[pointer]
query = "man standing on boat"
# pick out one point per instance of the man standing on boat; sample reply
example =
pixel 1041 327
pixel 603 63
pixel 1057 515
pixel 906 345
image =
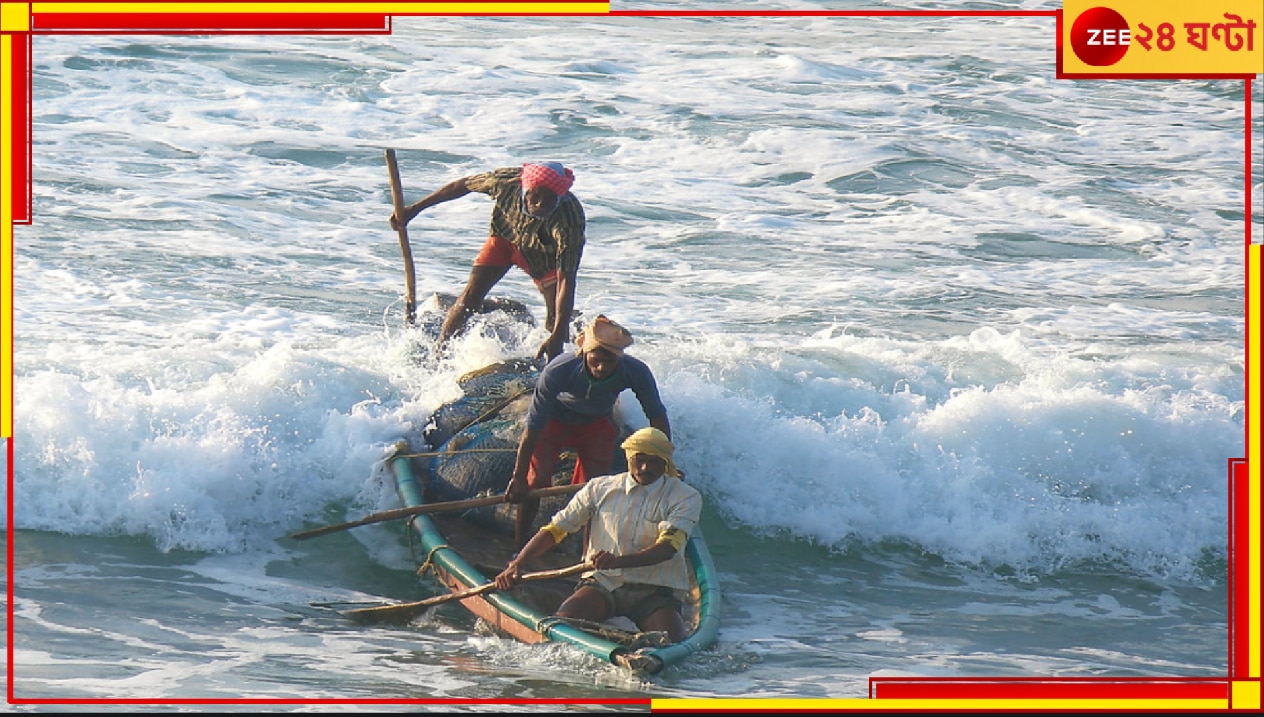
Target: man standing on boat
pixel 536 225
pixel 638 523
pixel 573 408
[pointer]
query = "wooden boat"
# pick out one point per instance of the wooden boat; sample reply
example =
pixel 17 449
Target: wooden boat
pixel 471 453
pixel 476 438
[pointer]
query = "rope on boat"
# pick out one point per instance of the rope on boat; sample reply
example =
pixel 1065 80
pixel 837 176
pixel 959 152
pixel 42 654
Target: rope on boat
pixel 429 564
pixel 631 640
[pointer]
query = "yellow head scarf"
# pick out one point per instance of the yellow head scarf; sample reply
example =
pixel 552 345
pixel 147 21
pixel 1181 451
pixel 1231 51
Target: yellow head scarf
pixel 652 442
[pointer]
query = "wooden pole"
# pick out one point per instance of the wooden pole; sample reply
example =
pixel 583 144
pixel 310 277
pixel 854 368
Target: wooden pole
pixel 410 276
pixel 404 611
pixel 433 508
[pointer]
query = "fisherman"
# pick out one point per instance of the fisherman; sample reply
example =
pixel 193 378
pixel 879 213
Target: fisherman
pixel 573 408
pixel 638 523
pixel 536 225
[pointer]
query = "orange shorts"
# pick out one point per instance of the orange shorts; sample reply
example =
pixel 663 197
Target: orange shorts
pixel 502 252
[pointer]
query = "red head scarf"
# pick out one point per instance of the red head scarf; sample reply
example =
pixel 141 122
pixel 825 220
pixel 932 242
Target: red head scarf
pixel 550 175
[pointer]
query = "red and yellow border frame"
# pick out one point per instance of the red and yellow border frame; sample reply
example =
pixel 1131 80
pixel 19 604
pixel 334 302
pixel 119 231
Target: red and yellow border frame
pixel 1239 690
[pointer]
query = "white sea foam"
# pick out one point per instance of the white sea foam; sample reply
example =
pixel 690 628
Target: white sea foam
pixel 890 294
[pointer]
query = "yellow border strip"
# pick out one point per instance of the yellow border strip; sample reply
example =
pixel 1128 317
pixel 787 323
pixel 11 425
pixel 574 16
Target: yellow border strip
pixel 371 8
pixel 1254 461
pixel 1246 696
pixel 6 236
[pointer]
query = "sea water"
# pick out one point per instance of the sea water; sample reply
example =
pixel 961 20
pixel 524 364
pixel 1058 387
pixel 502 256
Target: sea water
pixel 953 349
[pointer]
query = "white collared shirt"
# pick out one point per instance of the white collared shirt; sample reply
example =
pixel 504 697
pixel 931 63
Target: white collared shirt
pixel 626 518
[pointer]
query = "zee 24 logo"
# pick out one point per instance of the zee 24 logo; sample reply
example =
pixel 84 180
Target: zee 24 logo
pixel 1101 36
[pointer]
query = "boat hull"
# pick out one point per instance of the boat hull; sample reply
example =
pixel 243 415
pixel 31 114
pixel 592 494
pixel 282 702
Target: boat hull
pixel 530 621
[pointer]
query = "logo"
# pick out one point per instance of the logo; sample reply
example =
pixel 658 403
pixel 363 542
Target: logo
pixel 1100 37
pixel 1167 39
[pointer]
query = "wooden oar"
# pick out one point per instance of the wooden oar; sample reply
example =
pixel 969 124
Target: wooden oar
pixel 406 610
pixel 410 276
pixel 431 508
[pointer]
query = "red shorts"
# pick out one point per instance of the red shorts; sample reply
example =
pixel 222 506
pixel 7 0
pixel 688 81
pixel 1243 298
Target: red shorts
pixel 593 443
pixel 502 252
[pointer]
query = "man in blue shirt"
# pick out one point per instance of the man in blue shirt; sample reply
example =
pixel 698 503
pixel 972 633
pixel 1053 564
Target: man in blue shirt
pixel 573 409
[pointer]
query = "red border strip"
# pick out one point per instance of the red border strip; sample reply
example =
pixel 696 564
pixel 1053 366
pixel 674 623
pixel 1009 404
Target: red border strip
pixel 1239 585
pixel 205 22
pixel 20 184
pixel 1246 159
pixel 1048 689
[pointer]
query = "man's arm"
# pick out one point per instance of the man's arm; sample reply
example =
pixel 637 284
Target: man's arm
pixel 446 193
pixel 645 387
pixel 540 543
pixel 575 515
pixel 547 386
pixel 662 424
pixel 560 332
pixel 653 555
pixel 518 487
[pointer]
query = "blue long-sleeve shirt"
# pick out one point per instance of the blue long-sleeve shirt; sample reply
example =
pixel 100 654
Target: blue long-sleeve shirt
pixel 564 391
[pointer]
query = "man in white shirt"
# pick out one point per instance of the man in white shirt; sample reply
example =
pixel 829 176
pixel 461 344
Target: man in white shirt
pixel 638 523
